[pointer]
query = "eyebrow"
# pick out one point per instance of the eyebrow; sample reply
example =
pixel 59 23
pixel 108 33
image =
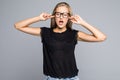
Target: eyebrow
pixel 63 12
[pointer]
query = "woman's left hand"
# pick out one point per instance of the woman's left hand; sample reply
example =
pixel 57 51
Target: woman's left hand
pixel 76 19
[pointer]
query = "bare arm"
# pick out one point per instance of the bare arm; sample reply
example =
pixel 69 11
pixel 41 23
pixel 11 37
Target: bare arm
pixel 96 35
pixel 24 25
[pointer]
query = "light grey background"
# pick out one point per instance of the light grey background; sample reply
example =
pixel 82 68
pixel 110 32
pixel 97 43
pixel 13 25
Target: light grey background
pixel 21 54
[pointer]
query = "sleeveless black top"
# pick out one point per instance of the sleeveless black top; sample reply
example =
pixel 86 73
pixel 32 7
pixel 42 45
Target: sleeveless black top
pixel 58 53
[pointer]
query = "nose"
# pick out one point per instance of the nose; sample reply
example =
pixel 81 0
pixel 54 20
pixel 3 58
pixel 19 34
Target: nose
pixel 61 16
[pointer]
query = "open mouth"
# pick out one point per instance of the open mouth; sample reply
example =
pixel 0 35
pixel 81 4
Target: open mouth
pixel 61 22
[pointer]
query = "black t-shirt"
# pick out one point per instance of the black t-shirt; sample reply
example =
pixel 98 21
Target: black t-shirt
pixel 58 53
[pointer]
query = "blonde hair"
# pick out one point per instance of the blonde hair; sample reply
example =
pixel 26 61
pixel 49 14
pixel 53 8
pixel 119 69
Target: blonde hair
pixel 69 23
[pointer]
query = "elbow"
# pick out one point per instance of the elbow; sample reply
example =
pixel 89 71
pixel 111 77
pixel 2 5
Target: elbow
pixel 16 26
pixel 103 38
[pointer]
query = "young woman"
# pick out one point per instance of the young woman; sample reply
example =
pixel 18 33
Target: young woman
pixel 60 39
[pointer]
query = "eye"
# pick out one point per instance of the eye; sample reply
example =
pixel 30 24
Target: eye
pixel 57 13
pixel 65 14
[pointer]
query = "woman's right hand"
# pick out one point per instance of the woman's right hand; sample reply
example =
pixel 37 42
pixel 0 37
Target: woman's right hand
pixel 45 16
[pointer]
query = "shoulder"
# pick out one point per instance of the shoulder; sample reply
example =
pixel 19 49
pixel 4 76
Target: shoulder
pixel 45 30
pixel 74 31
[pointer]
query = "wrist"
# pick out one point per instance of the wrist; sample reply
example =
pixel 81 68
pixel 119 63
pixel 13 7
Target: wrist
pixel 37 18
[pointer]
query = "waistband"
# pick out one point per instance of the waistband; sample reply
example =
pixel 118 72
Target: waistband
pixel 72 78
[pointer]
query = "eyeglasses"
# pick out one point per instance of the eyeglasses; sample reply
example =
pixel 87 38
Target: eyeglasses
pixel 64 15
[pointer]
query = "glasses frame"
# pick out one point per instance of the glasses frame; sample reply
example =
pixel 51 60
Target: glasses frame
pixel 64 14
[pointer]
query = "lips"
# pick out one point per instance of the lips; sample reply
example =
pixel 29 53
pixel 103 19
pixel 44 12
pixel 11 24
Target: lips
pixel 61 22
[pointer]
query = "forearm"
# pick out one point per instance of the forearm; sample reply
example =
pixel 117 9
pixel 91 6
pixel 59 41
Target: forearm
pixel 95 32
pixel 27 22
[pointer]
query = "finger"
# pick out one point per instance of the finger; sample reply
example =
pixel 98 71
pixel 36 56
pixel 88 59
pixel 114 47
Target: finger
pixel 51 16
pixel 78 17
pixel 71 17
pixel 73 21
pixel 46 14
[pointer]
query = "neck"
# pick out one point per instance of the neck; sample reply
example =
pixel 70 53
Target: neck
pixel 60 30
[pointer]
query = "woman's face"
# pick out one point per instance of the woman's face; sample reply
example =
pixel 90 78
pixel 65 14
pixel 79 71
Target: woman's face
pixel 61 16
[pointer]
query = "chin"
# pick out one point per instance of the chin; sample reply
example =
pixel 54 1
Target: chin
pixel 61 27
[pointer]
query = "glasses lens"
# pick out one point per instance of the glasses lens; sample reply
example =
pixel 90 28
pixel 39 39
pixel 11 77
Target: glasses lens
pixel 64 15
pixel 57 14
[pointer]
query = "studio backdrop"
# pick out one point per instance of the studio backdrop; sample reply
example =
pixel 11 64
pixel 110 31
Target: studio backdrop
pixel 21 56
